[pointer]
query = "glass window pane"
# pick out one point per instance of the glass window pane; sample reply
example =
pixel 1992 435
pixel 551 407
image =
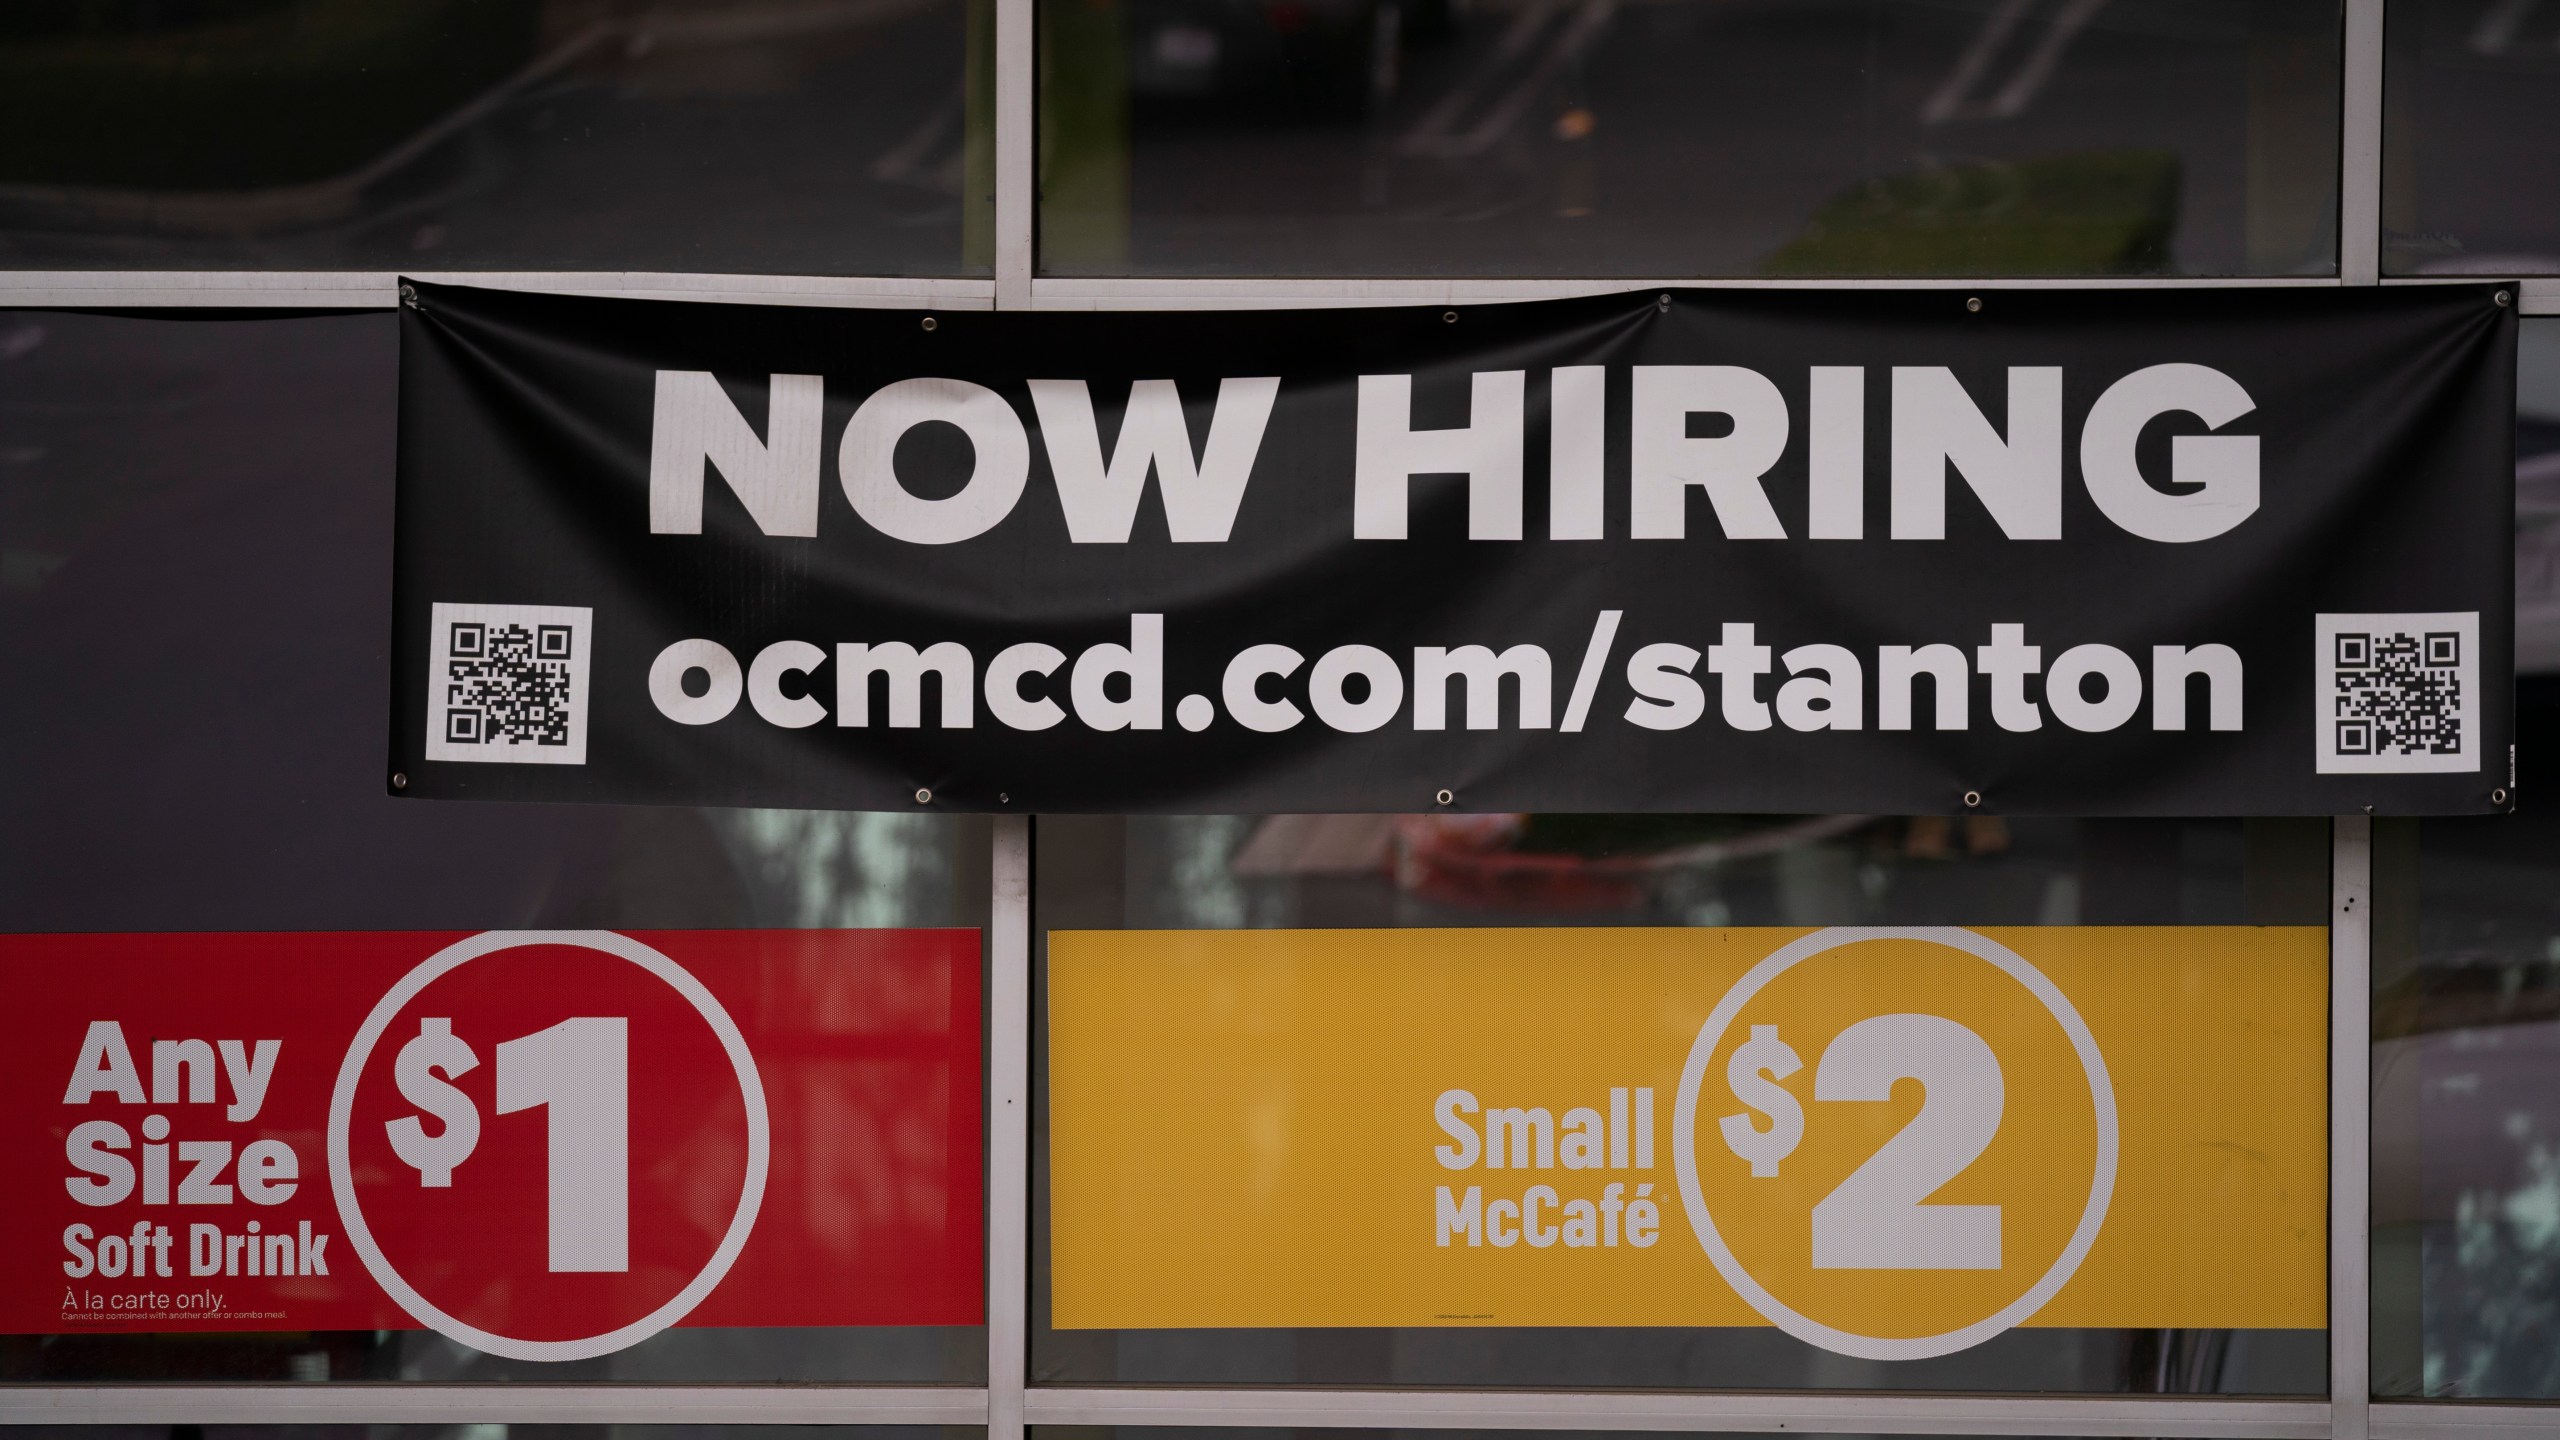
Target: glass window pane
pixel 739 136
pixel 195 542
pixel 2538 497
pixel 2471 88
pixel 2466 1020
pixel 1689 137
pixel 2466 1104
pixel 1386 872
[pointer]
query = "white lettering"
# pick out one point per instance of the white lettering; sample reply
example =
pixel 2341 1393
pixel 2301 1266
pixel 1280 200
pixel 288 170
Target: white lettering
pixel 1664 461
pixel 1836 503
pixel 1388 452
pixel 1200 500
pixel 2214 478
pixel 1951 682
pixel 764 684
pixel 2066 696
pixel 2018 479
pixel 1005 673
pixel 723 682
pixel 1328 688
pixel 2173 665
pixel 1141 662
pixel 904 667
pixel 1241 688
pixel 104 1064
pixel 1447 1109
pixel 1741 661
pixel 866 460
pixel 694 422
pixel 1577 449
pixel 2007 662
pixel 1666 697
pixel 1482 670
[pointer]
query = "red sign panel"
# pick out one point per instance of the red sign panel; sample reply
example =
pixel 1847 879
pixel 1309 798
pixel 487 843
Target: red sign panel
pixel 544 1144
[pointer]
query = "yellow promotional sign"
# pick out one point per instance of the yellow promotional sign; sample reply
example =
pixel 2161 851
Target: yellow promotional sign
pixel 1889 1142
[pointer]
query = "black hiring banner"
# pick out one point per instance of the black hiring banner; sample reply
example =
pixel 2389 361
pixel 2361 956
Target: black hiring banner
pixel 2169 552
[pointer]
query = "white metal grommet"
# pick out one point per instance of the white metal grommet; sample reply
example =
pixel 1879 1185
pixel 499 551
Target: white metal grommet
pixel 2498 797
pixel 924 797
pixel 1665 301
pixel 1972 799
pixel 1003 799
pixel 399 781
pixel 1973 303
pixel 409 295
pixel 1449 317
pixel 2504 298
pixel 930 322
pixel 1444 797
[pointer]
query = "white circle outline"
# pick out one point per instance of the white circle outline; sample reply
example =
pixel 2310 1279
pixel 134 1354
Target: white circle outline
pixel 750 1194
pixel 1684 1118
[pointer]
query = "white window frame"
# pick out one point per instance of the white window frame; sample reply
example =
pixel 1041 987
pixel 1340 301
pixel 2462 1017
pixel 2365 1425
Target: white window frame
pixel 1008 1402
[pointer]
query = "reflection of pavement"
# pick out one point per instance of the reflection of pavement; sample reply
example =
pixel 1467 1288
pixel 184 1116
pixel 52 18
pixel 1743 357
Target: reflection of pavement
pixel 778 136
pixel 1673 137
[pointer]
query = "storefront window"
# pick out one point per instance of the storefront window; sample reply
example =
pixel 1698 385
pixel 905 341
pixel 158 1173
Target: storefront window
pixel 1846 137
pixel 765 137
pixel 195 533
pixel 2470 87
pixel 1420 874
pixel 2466 1130
pixel 2466 1023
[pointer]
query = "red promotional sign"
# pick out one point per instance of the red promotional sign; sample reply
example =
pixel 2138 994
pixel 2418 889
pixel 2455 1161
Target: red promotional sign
pixel 543 1144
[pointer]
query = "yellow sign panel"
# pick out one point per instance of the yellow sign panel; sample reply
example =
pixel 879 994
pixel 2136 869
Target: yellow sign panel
pixel 1891 1143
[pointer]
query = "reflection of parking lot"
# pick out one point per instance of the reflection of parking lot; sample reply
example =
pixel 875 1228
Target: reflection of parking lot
pixel 1682 136
pixel 779 136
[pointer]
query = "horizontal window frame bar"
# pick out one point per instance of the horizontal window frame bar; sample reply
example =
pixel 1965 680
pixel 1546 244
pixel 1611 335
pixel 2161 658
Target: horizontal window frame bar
pixel 2471 1420
pixel 361 1403
pixel 1810 1412
pixel 1205 293
pixel 380 289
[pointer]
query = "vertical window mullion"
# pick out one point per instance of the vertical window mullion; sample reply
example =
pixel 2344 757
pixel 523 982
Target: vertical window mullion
pixel 2350 1138
pixel 2360 147
pixel 1015 153
pixel 1008 1125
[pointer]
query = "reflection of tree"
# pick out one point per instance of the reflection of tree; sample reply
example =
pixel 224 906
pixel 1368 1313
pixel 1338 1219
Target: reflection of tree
pixel 827 869
pixel 2493 1285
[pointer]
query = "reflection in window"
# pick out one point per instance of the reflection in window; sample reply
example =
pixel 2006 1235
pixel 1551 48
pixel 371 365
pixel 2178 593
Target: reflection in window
pixel 776 136
pixel 1285 871
pixel 2466 1123
pixel 2470 89
pixel 1689 137
pixel 202 509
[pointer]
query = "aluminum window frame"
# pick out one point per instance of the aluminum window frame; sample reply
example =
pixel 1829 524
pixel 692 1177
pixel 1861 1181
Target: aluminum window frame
pixel 1008 1401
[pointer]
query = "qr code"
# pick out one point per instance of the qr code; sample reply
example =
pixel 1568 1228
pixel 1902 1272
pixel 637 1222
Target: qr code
pixel 509 683
pixel 2399 694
